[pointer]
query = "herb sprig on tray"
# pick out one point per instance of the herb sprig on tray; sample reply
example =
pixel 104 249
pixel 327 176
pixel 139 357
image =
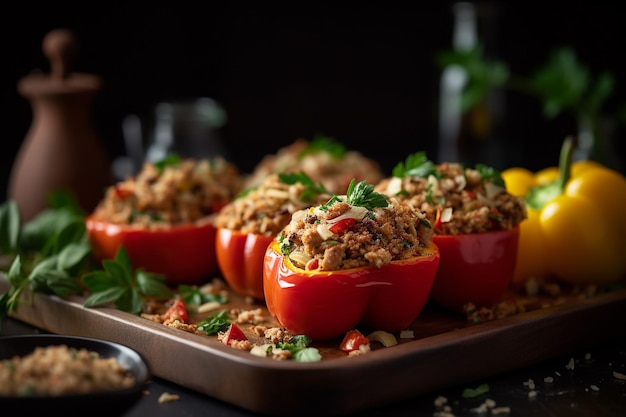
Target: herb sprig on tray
pixel 50 254
pixel 44 255
pixel 117 283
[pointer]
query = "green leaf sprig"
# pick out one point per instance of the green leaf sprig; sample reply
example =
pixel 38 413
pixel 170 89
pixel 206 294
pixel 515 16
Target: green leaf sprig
pixel 362 194
pixel 311 189
pixel 215 323
pixel 476 392
pixel 490 174
pixel 321 143
pixel 192 296
pixel 45 254
pixel 171 159
pixel 117 283
pixel 300 349
pixel 416 165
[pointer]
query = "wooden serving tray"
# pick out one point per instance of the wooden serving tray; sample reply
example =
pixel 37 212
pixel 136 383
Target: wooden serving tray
pixel 447 350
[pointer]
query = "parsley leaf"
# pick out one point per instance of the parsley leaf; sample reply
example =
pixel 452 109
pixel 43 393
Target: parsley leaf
pixel 321 143
pixel 300 350
pixel 169 160
pixel 193 296
pixel 362 194
pixel 416 165
pixel 476 392
pixel 117 284
pixel 215 323
pixel 311 189
pixel 490 174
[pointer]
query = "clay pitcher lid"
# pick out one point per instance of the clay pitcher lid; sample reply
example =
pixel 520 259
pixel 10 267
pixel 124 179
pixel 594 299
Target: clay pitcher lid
pixel 60 47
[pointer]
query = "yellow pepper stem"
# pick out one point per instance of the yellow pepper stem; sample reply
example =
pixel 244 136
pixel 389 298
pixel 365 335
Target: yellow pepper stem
pixel 538 196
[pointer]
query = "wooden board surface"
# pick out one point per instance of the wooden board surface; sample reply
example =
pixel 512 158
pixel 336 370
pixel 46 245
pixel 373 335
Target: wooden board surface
pixel 447 350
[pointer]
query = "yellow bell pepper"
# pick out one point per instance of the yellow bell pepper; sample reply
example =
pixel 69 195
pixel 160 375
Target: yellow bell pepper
pixel 576 224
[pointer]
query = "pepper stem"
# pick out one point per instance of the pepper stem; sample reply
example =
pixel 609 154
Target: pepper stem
pixel 538 196
pixel 565 163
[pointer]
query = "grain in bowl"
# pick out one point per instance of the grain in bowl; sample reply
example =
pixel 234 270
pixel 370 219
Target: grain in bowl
pixel 61 370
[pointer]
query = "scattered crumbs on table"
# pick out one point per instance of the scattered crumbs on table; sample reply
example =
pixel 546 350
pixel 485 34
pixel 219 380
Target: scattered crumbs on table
pixel 530 384
pixel 570 364
pixel 587 356
pixel 548 380
pixel 407 334
pixel 440 401
pixel 166 397
pixel 146 392
pixel 443 409
pixel 489 406
pixel 557 373
pixel 532 394
pixel 595 388
pixel 500 410
pixel 619 375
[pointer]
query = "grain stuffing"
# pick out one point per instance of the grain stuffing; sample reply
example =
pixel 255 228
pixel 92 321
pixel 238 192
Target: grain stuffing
pixel 323 159
pixel 455 199
pixel 344 234
pixel 172 193
pixel 267 208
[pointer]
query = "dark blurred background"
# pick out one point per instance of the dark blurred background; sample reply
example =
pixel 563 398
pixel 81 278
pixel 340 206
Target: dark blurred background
pixel 364 75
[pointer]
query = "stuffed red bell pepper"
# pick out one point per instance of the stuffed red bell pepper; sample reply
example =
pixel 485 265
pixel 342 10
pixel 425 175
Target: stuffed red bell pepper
pixel 247 225
pixel 357 260
pixel 476 225
pixel 163 217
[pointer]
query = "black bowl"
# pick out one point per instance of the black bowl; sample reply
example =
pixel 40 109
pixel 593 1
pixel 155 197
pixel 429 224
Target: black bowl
pixel 104 403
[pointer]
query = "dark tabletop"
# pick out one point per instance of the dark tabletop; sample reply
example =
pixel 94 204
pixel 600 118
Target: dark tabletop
pixel 578 384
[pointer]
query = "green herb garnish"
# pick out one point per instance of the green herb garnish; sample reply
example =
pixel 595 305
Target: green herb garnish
pixel 416 165
pixel 170 159
pixel 359 194
pixel 44 254
pixel 311 189
pixel 490 174
pixel 117 284
pixel 286 245
pixel 362 194
pixel 215 323
pixel 476 392
pixel 321 143
pixel 193 296
pixel 300 350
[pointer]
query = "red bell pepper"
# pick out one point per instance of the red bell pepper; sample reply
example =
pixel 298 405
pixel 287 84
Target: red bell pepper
pixel 240 259
pixel 325 305
pixel 184 254
pixel 476 268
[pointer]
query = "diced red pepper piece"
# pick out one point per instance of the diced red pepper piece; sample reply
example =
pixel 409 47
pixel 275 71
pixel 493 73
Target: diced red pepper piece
pixel 353 340
pixel 233 333
pixel 438 218
pixel 176 311
pixel 342 225
pixel 122 193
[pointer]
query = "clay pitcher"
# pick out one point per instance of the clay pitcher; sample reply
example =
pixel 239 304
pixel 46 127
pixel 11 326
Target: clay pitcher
pixel 61 151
